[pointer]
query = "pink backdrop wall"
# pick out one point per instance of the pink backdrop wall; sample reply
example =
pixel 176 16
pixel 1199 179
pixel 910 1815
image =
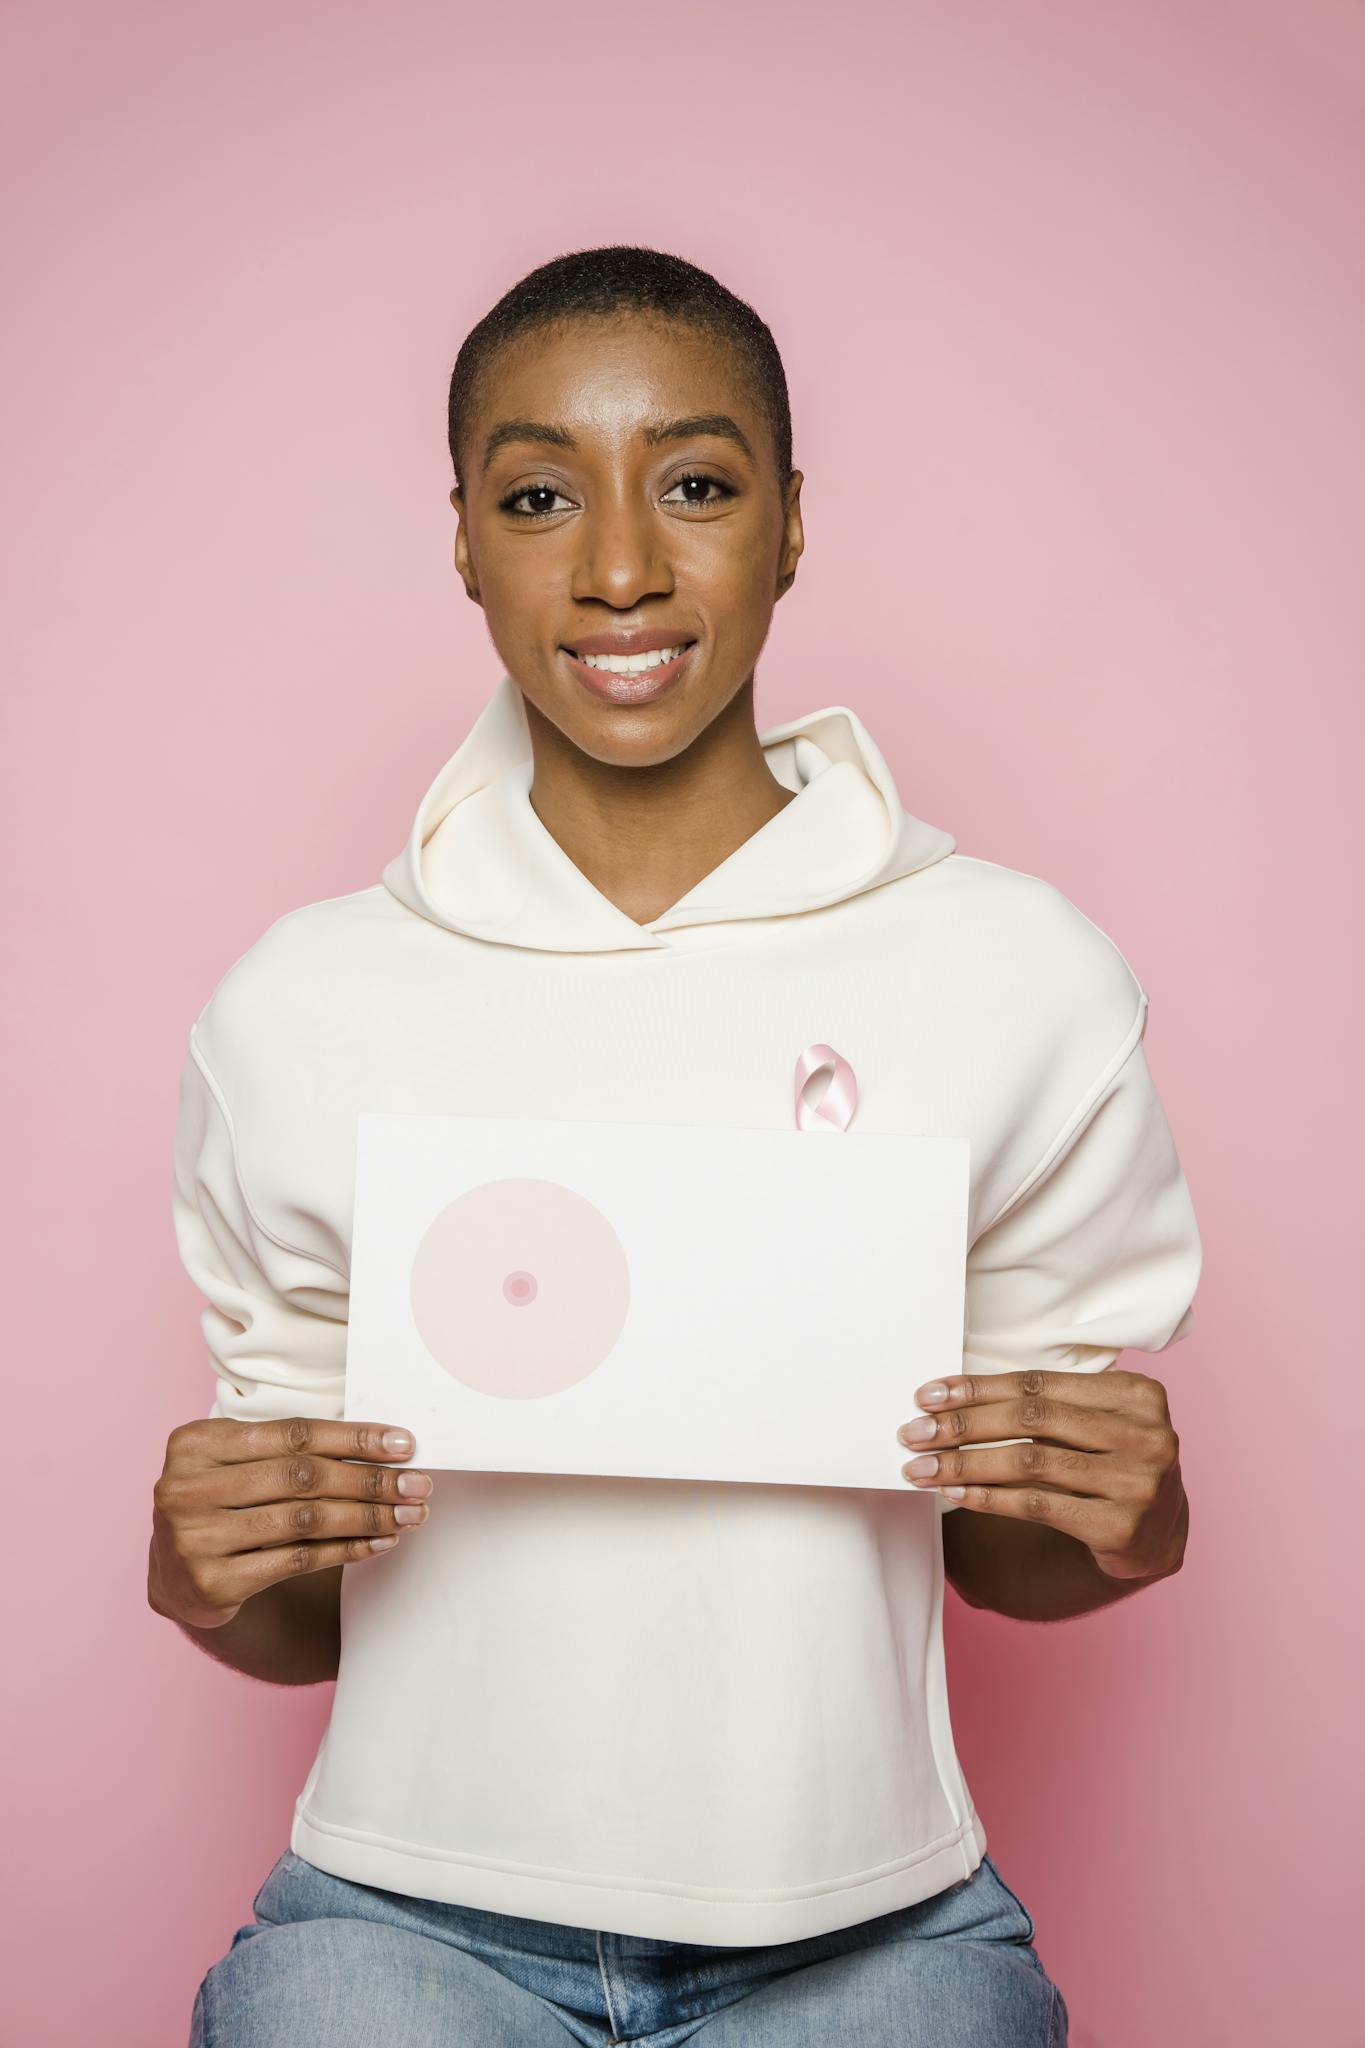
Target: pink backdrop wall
pixel 1071 303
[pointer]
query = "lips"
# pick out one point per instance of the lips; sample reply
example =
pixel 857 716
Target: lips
pixel 641 640
pixel 631 686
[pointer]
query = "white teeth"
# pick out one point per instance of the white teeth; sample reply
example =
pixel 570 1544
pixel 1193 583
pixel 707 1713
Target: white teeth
pixel 631 664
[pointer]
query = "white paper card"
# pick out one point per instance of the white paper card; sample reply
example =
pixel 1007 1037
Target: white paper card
pixel 655 1301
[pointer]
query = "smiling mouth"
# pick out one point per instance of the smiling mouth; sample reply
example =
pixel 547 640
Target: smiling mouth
pixel 632 664
pixel 631 678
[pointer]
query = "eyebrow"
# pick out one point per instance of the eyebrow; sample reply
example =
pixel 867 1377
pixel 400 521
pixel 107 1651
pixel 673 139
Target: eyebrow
pixel 718 423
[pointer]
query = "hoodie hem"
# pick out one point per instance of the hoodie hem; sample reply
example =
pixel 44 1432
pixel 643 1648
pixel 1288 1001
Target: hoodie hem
pixel 625 1906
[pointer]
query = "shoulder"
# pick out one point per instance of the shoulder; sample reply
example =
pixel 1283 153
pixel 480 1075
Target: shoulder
pixel 1029 920
pixel 282 1001
pixel 1051 977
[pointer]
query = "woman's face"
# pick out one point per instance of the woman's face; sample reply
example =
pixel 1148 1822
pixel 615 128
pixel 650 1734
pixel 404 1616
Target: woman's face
pixel 581 527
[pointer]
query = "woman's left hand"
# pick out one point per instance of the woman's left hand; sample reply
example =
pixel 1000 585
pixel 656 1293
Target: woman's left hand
pixel 1102 1462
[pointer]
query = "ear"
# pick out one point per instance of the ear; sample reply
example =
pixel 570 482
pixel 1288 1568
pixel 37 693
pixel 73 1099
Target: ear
pixel 793 536
pixel 463 565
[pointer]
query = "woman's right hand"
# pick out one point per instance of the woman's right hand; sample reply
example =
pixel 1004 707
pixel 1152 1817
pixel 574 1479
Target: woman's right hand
pixel 243 1506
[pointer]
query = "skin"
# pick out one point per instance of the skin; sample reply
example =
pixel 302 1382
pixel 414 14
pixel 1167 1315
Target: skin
pixel 254 1522
pixel 1090 1508
pixel 645 799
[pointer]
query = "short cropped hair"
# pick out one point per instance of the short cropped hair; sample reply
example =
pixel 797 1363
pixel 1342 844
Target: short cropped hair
pixel 619 279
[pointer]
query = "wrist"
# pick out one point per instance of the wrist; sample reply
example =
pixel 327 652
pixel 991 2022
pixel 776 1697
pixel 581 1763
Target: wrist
pixel 1159 1558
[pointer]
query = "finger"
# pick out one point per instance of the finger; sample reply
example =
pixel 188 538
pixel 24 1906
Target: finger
pixel 1026 1415
pixel 1026 1464
pixel 303 1475
pixel 257 1570
pixel 1135 1393
pixel 1099 1524
pixel 226 1442
pixel 240 1530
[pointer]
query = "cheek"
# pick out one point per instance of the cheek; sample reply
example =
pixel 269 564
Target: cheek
pixel 524 582
pixel 524 602
pixel 747 613
pixel 732 576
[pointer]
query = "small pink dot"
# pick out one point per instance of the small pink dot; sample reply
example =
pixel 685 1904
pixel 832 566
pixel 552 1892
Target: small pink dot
pixel 519 1288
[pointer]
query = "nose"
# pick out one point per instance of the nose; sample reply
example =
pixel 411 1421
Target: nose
pixel 622 554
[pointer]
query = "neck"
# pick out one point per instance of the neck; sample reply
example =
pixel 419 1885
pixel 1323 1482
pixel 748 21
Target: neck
pixel 646 836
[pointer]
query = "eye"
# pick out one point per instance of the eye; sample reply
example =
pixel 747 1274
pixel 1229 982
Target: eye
pixel 697 476
pixel 509 503
pixel 512 505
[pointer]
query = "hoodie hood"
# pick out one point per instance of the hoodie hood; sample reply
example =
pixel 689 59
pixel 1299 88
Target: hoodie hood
pixel 479 860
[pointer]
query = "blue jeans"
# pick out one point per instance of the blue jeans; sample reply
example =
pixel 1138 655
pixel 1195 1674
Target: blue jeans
pixel 331 1964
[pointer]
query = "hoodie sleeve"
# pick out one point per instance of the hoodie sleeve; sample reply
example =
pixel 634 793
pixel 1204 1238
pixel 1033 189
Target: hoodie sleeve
pixel 1098 1251
pixel 275 1318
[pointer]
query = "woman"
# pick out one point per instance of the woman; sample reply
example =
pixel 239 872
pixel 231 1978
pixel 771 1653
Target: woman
pixel 622 1759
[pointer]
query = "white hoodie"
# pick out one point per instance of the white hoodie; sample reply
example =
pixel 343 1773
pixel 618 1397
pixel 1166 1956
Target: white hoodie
pixel 686 1711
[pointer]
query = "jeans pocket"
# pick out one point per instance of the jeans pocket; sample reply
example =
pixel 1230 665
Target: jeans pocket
pixel 1013 1896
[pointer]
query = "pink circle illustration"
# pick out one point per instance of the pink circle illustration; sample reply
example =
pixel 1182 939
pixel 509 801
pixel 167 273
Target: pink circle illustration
pixel 520 1288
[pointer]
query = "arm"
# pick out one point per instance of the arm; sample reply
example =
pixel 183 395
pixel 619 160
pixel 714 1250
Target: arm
pixel 287 1635
pixel 1059 1474
pixel 253 1524
pixel 1034 1573
pixel 1087 1507
pixel 275 1321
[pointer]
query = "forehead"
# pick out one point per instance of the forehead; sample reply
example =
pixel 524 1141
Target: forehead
pixel 605 378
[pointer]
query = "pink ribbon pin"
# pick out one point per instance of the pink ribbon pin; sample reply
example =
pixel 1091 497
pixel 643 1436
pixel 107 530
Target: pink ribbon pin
pixel 836 1106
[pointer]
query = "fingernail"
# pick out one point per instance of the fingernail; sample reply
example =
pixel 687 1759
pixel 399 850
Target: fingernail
pixel 957 1492
pixel 413 1482
pixel 397 1440
pixel 917 1432
pixel 922 1468
pixel 928 1395
pixel 382 1542
pixel 409 1515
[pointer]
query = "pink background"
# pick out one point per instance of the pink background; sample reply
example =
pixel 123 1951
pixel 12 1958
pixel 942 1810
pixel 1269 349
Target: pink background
pixel 1071 303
